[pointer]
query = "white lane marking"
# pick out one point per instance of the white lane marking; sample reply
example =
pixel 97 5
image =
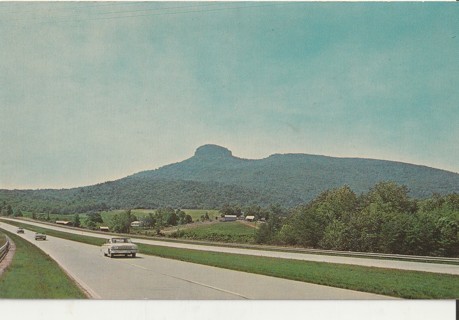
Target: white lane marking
pixel 189 281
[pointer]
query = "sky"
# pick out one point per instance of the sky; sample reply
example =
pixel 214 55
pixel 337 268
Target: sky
pixel 95 91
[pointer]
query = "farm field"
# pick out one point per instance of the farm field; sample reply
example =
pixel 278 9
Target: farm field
pixel 139 213
pixel 210 230
pixel 233 231
pixel 108 215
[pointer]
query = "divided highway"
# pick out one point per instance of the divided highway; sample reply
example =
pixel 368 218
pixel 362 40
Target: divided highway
pixel 361 261
pixel 148 277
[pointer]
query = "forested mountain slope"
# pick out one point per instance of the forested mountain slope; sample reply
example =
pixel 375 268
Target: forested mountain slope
pixel 213 177
pixel 301 177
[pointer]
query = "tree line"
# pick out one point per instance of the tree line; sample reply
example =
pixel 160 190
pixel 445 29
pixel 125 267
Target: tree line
pixel 384 220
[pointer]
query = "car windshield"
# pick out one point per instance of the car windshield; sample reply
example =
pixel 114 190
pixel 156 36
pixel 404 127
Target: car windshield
pixel 121 240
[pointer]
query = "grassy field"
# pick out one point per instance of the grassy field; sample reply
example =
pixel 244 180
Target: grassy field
pixel 397 283
pixel 107 216
pixel 197 213
pixel 139 213
pixel 34 275
pixel 221 231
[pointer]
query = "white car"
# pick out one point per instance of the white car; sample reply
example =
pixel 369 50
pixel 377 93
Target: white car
pixel 40 236
pixel 119 246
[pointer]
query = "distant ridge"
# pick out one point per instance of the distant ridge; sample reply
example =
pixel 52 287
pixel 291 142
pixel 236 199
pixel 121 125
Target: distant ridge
pixel 213 177
pixel 298 178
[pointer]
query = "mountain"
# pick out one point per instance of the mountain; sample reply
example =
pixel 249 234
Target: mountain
pixel 213 177
pixel 300 177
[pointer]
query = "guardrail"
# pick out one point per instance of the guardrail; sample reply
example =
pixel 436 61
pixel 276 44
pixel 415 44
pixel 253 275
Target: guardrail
pixel 4 249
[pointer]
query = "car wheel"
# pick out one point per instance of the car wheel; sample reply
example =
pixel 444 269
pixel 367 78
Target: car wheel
pixel 133 255
pixel 110 254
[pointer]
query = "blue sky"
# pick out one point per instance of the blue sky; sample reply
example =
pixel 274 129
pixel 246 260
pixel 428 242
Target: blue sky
pixel 91 92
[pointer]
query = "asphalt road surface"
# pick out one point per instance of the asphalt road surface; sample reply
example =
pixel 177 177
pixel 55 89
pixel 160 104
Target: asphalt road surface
pixel 368 262
pixel 148 277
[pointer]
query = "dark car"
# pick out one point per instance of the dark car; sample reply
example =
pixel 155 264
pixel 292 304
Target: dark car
pixel 20 230
pixel 40 236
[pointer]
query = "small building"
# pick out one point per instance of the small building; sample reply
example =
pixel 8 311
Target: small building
pixel 64 223
pixel 250 218
pixel 104 229
pixel 136 224
pixel 229 217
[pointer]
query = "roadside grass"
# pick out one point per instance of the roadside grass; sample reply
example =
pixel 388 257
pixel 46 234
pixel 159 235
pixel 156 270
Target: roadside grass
pixel 391 282
pixel 223 232
pixel 396 283
pixel 2 239
pixel 34 275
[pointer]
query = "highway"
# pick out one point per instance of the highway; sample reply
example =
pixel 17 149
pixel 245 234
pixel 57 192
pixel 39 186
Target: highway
pixel 148 277
pixel 368 262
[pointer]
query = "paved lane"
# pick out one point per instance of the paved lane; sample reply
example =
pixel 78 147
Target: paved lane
pixel 379 263
pixel 148 277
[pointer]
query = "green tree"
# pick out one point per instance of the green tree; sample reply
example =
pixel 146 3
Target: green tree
pixel 226 210
pixel 188 219
pixel 335 236
pixel 121 223
pixel 94 217
pixel 448 240
pixel 76 221
pixel 287 235
pixel 392 196
pixel 268 232
pixel 421 235
pixel 9 210
pixel 205 217
pixel 149 221
pixel 172 219
pixel 180 216
pixel 159 222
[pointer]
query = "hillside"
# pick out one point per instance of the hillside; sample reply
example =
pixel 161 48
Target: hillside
pixel 301 177
pixel 213 177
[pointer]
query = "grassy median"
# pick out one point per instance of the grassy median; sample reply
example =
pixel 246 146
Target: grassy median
pixel 34 275
pixel 391 282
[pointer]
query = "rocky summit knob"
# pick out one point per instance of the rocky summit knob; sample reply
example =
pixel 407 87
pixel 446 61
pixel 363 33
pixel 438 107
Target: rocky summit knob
pixel 212 151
